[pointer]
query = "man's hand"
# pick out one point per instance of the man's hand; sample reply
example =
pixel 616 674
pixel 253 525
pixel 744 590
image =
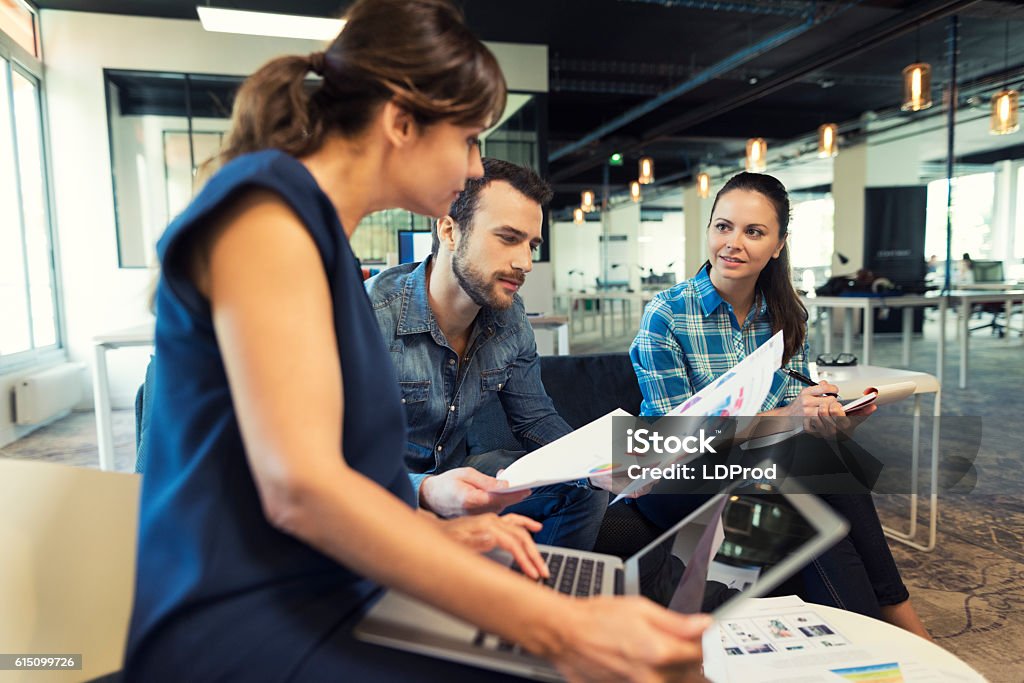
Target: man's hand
pixel 465 491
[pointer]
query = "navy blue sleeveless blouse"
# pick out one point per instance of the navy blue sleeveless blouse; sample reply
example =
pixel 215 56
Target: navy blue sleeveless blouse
pixel 220 593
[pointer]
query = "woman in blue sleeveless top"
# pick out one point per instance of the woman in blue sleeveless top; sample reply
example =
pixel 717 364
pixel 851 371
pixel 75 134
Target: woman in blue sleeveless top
pixel 694 332
pixel 275 501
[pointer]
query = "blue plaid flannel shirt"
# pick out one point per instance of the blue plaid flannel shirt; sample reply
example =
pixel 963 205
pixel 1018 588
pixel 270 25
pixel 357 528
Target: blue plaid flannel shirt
pixel 689 336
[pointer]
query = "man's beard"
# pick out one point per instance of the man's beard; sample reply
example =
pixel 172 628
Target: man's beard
pixel 479 287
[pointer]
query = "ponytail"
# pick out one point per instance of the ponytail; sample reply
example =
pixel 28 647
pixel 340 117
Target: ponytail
pixel 272 110
pixel 417 53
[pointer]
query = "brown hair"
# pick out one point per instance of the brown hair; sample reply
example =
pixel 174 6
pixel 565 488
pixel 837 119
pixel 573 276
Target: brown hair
pixel 523 180
pixel 775 281
pixel 417 53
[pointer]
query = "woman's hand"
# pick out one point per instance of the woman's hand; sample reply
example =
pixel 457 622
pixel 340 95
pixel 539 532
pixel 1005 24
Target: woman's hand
pixel 822 415
pixel 510 533
pixel 629 639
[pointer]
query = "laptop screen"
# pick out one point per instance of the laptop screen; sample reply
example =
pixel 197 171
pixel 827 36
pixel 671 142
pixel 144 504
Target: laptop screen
pixel 731 544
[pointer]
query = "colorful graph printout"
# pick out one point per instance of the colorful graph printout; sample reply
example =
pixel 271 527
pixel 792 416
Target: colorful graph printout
pixel 873 673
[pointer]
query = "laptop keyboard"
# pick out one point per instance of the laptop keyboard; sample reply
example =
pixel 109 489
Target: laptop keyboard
pixel 575 576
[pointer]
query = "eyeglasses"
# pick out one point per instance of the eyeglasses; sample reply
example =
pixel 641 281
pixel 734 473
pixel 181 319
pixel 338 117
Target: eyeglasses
pixel 837 359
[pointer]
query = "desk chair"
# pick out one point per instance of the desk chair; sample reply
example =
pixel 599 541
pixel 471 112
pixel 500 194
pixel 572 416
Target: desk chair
pixel 68 570
pixel 986 272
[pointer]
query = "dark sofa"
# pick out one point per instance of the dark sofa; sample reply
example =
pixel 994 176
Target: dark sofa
pixel 583 388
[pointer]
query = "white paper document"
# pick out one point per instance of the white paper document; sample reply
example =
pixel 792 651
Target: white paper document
pixel 742 390
pixel 581 454
pixel 784 640
pixel 587 451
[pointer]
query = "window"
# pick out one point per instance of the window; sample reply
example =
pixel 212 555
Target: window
pixel 973 200
pixel 1018 226
pixel 811 230
pixel 28 303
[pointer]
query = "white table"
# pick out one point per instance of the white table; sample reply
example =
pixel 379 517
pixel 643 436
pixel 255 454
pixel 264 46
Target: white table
pixel 867 305
pixel 139 335
pixel 559 324
pixel 965 301
pixel 870 642
pixel 852 380
pixel 604 303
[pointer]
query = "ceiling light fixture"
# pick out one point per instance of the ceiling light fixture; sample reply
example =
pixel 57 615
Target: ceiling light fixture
pixel 1005 110
pixel 224 20
pixel 577 216
pixel 703 185
pixel 827 144
pixel 1006 102
pixel 634 190
pixel 757 155
pixel 917 82
pixel 587 201
pixel 646 171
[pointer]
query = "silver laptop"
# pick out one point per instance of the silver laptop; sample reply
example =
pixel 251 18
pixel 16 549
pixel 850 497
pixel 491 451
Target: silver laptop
pixel 740 543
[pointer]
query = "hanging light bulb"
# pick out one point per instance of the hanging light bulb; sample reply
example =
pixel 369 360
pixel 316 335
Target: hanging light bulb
pixel 634 190
pixel 917 87
pixel 587 200
pixel 1005 113
pixel 1005 102
pixel 577 216
pixel 827 145
pixel 757 155
pixel 646 171
pixel 703 185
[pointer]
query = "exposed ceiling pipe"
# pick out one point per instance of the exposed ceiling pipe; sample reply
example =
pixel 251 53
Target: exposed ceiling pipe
pixel 870 38
pixel 707 75
pixel 786 9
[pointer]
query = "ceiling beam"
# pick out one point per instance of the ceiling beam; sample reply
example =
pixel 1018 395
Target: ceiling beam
pixel 863 41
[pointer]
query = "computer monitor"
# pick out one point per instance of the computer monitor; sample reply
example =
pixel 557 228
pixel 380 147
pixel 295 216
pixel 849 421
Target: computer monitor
pixel 414 245
pixel 988 271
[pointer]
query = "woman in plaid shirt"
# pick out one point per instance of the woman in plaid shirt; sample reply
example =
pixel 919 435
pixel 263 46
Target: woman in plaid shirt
pixel 697 330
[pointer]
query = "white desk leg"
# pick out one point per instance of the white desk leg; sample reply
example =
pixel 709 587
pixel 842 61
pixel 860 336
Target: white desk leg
pixel 828 330
pixel 562 339
pixel 914 473
pixel 908 331
pixel 602 304
pixel 101 398
pixel 868 331
pixel 940 352
pixel 964 334
pixel 848 332
pixel 933 513
pixel 1006 329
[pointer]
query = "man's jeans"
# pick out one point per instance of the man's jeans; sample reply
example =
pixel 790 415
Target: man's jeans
pixel 571 513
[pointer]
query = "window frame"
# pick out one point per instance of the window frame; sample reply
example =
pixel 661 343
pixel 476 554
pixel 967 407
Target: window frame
pixel 21 62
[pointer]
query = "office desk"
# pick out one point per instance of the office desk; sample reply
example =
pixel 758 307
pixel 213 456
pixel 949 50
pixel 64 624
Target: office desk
pixel 140 335
pixel 852 380
pixel 867 305
pixel 559 324
pixel 965 300
pixel 604 307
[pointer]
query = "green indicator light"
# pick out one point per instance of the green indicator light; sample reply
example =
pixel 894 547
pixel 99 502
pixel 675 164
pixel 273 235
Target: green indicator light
pixel 615 160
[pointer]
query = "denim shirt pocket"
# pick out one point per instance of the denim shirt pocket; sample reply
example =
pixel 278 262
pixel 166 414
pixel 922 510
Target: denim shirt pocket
pixel 494 380
pixel 414 398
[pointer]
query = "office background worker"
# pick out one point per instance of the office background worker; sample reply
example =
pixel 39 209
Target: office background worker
pixel 459 339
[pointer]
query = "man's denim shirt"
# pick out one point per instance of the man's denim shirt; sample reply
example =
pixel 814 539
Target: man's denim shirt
pixel 441 395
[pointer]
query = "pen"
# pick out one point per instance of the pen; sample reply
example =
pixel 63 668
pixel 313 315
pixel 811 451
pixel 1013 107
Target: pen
pixel 800 377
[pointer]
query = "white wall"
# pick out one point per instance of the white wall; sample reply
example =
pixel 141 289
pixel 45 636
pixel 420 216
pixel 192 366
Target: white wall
pixel 98 296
